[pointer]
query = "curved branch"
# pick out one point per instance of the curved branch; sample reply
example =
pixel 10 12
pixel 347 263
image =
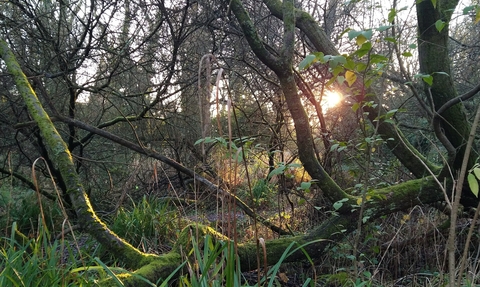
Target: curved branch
pixel 252 37
pixel 437 121
pixel 174 164
pixel 29 183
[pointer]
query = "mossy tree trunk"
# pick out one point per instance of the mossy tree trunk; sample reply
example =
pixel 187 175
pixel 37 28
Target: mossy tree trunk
pixel 62 159
pixel 434 60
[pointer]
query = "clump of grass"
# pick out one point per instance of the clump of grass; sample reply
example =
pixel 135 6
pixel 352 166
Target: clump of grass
pixel 34 262
pixel 20 205
pixel 149 225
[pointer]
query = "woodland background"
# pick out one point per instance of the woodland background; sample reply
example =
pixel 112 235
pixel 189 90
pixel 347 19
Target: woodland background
pixel 234 143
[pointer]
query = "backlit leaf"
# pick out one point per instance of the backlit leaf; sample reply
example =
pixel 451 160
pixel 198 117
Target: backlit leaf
pixel 473 184
pixel 350 77
pixel 340 79
pixel 391 15
pixel 360 40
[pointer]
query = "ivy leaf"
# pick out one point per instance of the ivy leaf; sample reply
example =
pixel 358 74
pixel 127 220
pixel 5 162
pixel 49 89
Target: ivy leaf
pixel 350 77
pixel 440 25
pixel 473 184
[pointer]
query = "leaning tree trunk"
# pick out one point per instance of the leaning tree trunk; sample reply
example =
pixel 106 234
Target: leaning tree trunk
pixel 62 159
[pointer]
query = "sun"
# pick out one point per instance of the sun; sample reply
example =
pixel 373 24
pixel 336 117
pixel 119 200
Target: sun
pixel 331 99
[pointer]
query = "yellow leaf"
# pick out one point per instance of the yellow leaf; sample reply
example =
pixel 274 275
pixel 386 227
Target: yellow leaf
pixel 373 149
pixel 350 77
pixel 361 39
pixel 359 201
pixel 477 17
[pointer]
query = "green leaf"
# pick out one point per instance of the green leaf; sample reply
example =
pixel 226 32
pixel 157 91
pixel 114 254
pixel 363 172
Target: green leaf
pixel 340 79
pixel 476 171
pixel 367 34
pixel 334 147
pixel 428 80
pixel 294 165
pixel 307 62
pixel 337 205
pixel 353 34
pixel 407 54
pixel 434 2
pixel 305 185
pixel 391 15
pixel 350 64
pixel 440 25
pixel 441 73
pixel 425 77
pixel 412 46
pixel 355 107
pixel 337 70
pixel 366 47
pixel 468 9
pixel 473 184
pixel 384 28
pixel 360 40
pixel 391 39
pixel 377 58
pixel 361 67
pixel 277 171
